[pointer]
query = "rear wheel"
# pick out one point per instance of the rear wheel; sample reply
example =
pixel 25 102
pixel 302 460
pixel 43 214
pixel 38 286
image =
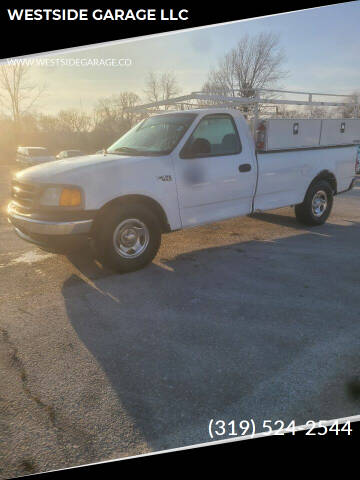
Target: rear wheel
pixel 128 237
pixel 317 204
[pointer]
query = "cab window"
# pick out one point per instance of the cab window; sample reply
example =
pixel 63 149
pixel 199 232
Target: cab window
pixel 215 135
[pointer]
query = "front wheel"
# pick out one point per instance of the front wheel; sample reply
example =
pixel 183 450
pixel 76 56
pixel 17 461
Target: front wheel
pixel 128 237
pixel 317 204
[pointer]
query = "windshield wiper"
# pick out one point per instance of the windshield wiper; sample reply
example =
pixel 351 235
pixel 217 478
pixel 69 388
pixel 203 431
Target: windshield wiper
pixel 126 150
pixel 133 151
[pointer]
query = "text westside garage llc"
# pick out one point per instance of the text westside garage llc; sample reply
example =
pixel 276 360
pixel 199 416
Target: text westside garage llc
pixel 84 14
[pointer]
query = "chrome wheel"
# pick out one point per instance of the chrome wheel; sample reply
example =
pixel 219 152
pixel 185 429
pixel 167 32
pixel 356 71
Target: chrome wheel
pixel 131 237
pixel 319 203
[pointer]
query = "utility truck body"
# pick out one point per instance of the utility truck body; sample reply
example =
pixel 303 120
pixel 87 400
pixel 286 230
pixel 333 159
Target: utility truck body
pixel 179 169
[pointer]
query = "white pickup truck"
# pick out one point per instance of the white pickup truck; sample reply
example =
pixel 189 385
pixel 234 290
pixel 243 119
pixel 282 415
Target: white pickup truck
pixel 180 169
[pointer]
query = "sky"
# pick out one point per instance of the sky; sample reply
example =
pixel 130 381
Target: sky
pixel 321 45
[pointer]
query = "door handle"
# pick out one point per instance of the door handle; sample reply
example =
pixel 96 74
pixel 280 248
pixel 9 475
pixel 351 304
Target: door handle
pixel 245 167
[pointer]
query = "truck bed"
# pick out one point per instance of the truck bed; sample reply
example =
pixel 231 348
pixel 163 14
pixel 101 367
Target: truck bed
pixel 284 176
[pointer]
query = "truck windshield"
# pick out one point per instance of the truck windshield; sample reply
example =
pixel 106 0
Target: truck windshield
pixel 156 135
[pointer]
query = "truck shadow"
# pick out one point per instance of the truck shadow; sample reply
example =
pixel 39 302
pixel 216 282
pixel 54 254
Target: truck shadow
pixel 276 219
pixel 287 221
pixel 253 330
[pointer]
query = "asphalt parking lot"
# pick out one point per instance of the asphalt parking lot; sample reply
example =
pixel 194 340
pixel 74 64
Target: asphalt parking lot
pixel 255 317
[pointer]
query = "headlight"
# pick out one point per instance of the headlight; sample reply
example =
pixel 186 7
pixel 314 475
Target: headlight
pixel 61 197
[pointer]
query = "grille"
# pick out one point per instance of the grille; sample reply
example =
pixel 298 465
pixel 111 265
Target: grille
pixel 23 196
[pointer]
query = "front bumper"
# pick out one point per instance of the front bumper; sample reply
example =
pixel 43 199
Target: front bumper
pixel 54 235
pixel 46 227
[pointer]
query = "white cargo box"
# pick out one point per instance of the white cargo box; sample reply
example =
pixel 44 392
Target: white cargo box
pixel 292 133
pixel 283 134
pixel 343 131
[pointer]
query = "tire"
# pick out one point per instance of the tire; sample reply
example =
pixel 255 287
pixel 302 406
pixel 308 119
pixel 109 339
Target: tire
pixel 317 204
pixel 128 237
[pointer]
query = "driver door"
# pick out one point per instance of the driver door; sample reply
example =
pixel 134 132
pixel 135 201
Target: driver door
pixel 214 178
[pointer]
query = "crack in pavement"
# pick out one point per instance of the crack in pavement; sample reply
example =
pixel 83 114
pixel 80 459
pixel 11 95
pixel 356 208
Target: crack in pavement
pixel 67 433
pixel 19 365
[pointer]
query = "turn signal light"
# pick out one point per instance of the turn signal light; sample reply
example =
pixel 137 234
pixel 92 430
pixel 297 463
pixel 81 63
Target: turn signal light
pixel 70 197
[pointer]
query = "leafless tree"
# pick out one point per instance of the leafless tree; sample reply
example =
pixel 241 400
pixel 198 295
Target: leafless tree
pixel 161 87
pixel 17 94
pixel 285 111
pixel 75 120
pixel 49 123
pixel 127 100
pixel 255 62
pixel 351 110
pixel 318 112
pixel 116 108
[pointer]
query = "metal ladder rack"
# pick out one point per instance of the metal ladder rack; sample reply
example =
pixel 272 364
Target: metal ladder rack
pixel 256 99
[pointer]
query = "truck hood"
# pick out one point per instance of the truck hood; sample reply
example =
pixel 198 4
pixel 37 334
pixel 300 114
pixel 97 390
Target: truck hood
pixel 67 170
